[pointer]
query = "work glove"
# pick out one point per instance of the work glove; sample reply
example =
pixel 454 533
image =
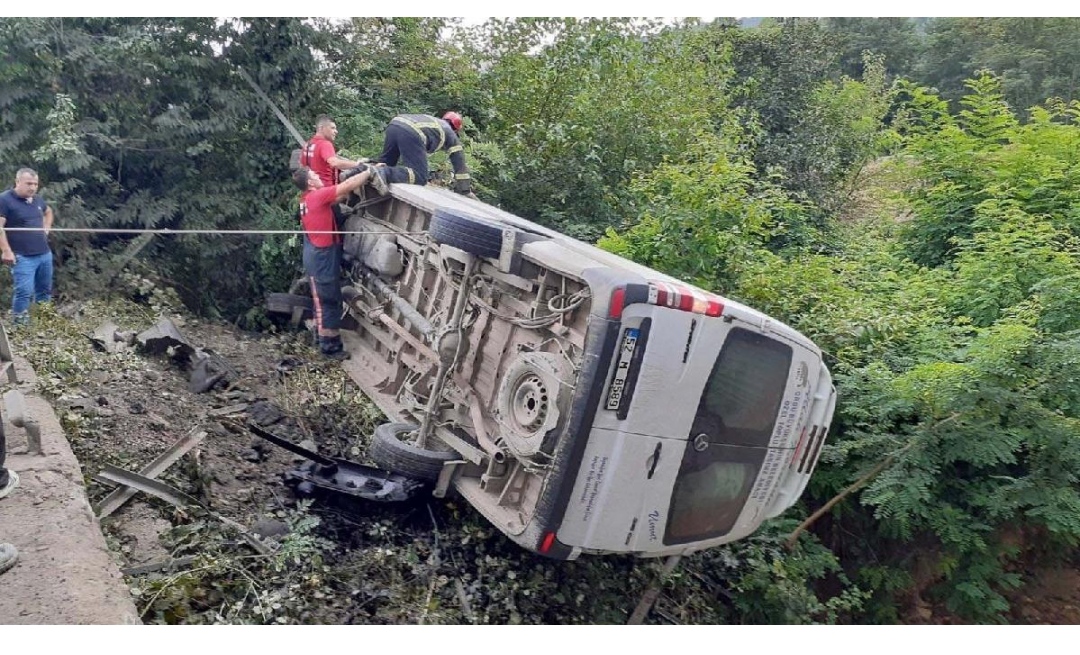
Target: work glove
pixel 464 187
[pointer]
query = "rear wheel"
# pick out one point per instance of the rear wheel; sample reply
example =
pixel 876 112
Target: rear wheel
pixel 474 235
pixel 393 450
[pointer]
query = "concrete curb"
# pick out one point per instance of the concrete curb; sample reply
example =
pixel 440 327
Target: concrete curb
pixel 65 573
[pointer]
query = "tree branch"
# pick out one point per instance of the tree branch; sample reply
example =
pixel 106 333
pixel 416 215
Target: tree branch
pixel 854 486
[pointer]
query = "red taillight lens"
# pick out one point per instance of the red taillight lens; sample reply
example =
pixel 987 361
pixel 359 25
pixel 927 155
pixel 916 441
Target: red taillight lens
pixel 618 301
pixel 666 294
pixel 549 539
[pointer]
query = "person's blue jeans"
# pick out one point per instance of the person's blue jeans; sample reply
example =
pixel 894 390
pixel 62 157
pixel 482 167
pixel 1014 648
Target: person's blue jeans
pixel 33 281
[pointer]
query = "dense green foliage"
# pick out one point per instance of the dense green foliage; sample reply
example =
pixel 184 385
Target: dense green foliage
pixel 903 191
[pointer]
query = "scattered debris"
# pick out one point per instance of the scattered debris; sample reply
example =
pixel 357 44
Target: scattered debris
pixel 265 413
pixel 355 480
pixel 176 497
pixel 208 370
pixel 163 337
pixel 118 497
pixel 340 475
pixel 106 338
pixel 166 566
pixel 226 411
pixel 202 379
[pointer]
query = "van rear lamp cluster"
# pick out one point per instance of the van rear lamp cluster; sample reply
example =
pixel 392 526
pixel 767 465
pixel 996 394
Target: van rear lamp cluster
pixel 665 294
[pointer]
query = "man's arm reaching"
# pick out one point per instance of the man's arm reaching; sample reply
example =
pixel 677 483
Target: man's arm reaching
pixel 348 186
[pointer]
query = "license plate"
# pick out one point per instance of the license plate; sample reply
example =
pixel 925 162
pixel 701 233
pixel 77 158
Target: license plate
pixel 618 383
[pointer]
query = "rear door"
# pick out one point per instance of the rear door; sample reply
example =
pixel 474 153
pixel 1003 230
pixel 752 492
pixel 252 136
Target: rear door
pixel 646 411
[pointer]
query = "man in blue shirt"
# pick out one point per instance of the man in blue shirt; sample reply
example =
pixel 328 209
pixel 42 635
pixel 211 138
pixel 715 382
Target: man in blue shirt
pixel 27 251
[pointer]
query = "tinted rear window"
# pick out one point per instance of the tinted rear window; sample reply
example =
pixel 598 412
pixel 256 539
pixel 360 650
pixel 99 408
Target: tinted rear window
pixel 744 391
pixel 710 492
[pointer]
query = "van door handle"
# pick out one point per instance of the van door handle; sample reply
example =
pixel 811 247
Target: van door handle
pixel 653 460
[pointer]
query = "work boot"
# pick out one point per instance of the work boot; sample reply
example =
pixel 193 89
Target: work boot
pixel 9 555
pixel 349 172
pixel 333 348
pixel 378 180
pixel 9 484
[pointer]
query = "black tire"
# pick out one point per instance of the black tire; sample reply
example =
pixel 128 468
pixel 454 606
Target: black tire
pixel 388 451
pixel 285 303
pixel 474 235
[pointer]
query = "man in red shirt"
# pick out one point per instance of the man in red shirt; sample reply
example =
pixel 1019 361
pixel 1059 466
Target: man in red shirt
pixel 319 154
pixel 322 251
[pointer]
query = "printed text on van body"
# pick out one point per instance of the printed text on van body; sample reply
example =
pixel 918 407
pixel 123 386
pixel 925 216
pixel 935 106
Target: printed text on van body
pixel 593 479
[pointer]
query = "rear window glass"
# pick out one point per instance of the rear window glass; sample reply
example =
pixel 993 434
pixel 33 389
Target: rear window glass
pixel 710 492
pixel 744 391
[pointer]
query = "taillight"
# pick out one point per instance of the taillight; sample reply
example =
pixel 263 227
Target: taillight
pixel 545 545
pixel 665 294
pixel 686 299
pixel 618 301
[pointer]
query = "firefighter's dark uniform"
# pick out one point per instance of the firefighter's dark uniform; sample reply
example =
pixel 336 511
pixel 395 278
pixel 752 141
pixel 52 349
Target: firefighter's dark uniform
pixel 410 138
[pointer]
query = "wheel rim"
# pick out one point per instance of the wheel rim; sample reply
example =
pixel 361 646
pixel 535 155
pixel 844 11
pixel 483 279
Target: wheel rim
pixel 529 404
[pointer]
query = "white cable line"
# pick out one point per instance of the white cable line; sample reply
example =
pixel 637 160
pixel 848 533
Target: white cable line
pixel 110 230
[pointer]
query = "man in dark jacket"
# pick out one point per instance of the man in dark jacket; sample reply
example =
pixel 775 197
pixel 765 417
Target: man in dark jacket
pixel 410 138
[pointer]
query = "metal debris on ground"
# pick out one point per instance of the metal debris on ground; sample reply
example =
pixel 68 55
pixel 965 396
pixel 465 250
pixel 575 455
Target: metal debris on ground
pixel 226 411
pixel 176 497
pixel 106 337
pixel 265 413
pixel 355 480
pixel 342 476
pixel 172 454
pixel 208 370
pixel 163 336
pixel 166 566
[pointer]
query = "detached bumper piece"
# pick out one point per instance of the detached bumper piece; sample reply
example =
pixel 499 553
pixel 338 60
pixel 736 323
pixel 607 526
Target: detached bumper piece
pixel 341 476
pixel 352 479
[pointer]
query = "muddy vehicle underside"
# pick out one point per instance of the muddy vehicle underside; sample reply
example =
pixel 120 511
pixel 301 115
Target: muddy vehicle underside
pixel 482 378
